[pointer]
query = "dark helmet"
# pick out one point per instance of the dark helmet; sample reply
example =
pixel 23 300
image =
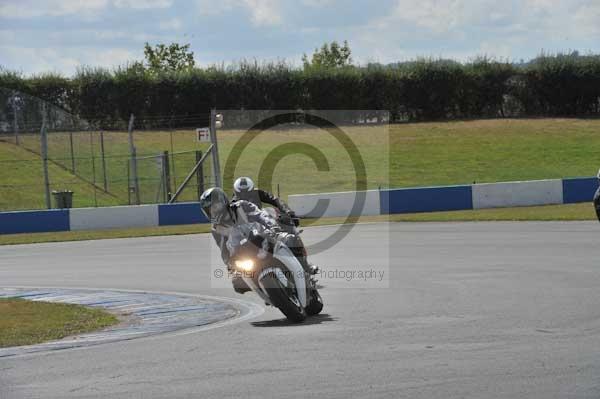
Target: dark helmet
pixel 215 205
pixel 243 185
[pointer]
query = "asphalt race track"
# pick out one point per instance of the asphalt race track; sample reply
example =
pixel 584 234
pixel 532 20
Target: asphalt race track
pixel 467 310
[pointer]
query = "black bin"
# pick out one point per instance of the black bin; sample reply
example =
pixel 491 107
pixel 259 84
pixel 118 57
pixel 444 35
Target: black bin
pixel 63 199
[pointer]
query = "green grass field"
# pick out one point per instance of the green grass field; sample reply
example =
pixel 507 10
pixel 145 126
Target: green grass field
pixel 416 154
pixel 22 181
pixel 27 322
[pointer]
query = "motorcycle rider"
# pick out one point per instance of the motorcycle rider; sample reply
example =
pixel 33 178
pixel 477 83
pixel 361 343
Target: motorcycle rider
pixel 243 188
pixel 224 216
pixel 597 199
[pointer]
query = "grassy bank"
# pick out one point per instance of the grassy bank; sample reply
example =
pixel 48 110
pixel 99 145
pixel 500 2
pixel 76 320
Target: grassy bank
pixel 416 154
pixel 25 322
pixel 22 181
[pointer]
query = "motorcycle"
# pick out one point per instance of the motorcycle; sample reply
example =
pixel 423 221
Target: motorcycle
pixel 272 271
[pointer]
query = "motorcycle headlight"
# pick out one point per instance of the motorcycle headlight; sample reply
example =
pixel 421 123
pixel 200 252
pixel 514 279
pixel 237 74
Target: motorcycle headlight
pixel 246 265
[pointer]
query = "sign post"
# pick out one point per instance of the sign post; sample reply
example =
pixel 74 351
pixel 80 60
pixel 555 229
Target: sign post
pixel 216 120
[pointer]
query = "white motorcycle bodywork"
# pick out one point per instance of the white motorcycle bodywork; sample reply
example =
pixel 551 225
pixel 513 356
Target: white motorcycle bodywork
pixel 294 271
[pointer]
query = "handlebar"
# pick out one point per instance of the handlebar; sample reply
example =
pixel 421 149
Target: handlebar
pixel 287 219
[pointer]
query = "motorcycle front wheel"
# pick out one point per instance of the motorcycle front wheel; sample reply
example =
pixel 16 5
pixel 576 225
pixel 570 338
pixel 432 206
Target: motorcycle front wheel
pixel 316 303
pixel 283 299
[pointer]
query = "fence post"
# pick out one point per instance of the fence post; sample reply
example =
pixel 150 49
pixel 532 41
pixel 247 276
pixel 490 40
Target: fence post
pixel 133 157
pixel 103 160
pixel 166 176
pixel 72 152
pixel 200 174
pixel 172 166
pixel 93 168
pixel 44 148
pixel 15 119
pixel 128 167
pixel 215 149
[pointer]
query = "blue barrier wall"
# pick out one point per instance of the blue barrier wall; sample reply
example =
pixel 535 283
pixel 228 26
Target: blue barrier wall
pixel 34 221
pixel 186 213
pixel 406 200
pixel 426 199
pixel 579 189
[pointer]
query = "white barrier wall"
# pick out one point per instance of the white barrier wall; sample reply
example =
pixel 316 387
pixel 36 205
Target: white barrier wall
pixel 428 199
pixel 339 204
pixel 525 193
pixel 113 217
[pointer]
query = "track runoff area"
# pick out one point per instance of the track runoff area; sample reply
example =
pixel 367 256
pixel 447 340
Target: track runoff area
pixel 463 310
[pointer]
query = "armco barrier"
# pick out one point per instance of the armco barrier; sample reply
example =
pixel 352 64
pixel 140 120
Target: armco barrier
pixel 335 204
pixel 114 217
pixel 426 199
pixel 100 218
pixel 525 193
pixel 188 213
pixel 579 189
pixel 405 200
pixel 34 221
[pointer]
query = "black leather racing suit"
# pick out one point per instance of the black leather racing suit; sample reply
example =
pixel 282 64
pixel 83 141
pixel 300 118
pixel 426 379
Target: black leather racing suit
pixel 257 197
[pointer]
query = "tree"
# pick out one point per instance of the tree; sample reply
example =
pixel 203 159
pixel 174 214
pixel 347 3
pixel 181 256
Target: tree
pixel 329 56
pixel 173 57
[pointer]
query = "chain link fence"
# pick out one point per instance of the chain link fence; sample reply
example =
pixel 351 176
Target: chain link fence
pixel 140 163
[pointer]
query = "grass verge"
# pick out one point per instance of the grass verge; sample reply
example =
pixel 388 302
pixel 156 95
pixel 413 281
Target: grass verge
pixel 570 212
pixel 31 238
pixel 25 322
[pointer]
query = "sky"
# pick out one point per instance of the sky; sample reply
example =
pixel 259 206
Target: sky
pixel 63 35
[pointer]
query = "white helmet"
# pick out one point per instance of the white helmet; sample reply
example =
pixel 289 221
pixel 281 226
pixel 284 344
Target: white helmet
pixel 243 185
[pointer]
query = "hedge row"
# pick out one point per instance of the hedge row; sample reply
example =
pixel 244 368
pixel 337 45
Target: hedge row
pixel 560 85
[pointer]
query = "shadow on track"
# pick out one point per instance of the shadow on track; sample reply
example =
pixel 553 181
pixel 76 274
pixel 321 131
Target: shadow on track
pixel 317 319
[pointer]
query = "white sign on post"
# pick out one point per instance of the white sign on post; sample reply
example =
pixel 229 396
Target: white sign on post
pixel 203 134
